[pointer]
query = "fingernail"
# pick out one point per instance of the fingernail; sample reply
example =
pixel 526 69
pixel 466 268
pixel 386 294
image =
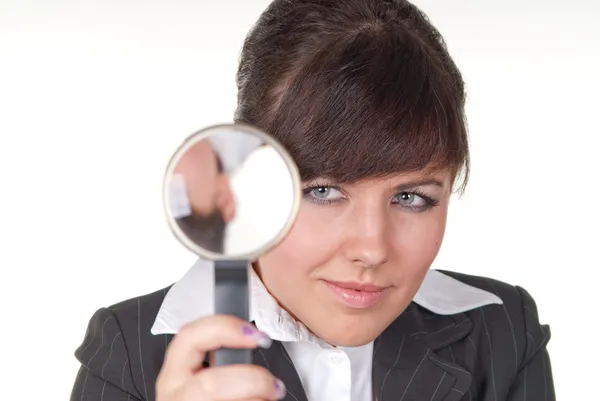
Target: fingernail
pixel 262 340
pixel 248 331
pixel 279 389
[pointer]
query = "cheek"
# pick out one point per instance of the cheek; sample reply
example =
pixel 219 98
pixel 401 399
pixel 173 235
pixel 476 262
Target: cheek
pixel 308 245
pixel 420 240
pixel 418 244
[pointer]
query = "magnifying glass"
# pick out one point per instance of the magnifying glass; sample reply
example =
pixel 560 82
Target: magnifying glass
pixel 231 193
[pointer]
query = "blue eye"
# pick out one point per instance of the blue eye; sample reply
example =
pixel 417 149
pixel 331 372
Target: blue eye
pixel 410 198
pixel 322 194
pixel 414 201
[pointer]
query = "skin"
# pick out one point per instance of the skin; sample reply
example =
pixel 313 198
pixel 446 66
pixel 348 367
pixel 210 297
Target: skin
pixel 207 189
pixel 368 232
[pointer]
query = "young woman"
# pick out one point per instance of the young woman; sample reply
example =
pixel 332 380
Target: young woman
pixel 367 100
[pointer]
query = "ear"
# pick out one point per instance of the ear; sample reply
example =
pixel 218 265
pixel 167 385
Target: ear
pixel 225 198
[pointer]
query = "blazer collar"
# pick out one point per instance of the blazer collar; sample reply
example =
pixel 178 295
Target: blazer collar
pixel 406 365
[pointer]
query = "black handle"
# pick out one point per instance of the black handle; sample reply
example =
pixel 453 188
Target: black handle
pixel 231 298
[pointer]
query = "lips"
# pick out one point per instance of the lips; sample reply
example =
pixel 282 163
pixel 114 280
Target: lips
pixel 357 295
pixel 357 286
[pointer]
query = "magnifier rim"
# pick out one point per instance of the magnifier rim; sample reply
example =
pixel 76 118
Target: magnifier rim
pixel 202 134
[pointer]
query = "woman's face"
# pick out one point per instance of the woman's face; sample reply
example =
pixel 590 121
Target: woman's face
pixel 380 233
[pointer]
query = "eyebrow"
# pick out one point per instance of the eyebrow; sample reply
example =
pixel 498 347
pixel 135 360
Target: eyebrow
pixel 419 183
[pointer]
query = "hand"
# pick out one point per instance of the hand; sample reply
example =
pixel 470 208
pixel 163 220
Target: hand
pixel 182 377
pixel 207 186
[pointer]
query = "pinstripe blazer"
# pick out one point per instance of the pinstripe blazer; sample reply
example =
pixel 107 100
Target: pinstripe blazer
pixel 492 353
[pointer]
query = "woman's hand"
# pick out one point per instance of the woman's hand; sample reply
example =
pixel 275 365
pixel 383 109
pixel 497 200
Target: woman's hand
pixel 182 377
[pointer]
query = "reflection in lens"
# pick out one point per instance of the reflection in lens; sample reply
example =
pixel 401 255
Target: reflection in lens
pixel 206 231
pixel 231 191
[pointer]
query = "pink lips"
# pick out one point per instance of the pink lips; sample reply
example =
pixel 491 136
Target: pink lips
pixel 355 295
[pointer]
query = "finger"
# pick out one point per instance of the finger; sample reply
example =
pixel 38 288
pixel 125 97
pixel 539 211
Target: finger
pixel 188 348
pixel 228 211
pixel 226 203
pixel 235 382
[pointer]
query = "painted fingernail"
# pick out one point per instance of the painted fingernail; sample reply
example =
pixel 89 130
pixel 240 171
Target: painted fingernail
pixel 279 389
pixel 248 331
pixel 262 340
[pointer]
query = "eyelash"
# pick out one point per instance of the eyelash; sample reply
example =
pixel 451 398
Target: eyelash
pixel 429 201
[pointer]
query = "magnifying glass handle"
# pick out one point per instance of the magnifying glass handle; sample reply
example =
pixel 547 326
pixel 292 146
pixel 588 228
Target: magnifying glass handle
pixel 231 298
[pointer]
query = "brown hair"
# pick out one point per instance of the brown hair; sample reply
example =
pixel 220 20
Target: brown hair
pixel 354 88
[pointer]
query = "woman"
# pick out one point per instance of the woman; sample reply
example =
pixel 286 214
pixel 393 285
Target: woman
pixel 367 100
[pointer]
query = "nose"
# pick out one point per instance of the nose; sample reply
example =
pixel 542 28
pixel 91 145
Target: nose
pixel 367 239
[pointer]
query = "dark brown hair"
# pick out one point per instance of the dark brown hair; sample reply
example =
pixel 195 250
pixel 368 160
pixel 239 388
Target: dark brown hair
pixel 354 88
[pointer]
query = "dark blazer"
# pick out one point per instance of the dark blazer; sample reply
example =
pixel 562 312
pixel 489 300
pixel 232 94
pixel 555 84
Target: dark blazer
pixel 493 353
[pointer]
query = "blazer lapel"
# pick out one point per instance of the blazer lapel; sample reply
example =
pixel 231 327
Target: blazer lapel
pixel 406 366
pixel 276 359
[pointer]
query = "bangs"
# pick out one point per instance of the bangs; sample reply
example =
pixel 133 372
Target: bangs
pixel 370 105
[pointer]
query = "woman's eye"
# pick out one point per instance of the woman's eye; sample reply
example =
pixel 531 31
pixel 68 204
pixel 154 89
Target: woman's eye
pixel 323 194
pixel 410 199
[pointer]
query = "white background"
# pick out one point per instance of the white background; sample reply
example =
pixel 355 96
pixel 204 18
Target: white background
pixel 95 95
